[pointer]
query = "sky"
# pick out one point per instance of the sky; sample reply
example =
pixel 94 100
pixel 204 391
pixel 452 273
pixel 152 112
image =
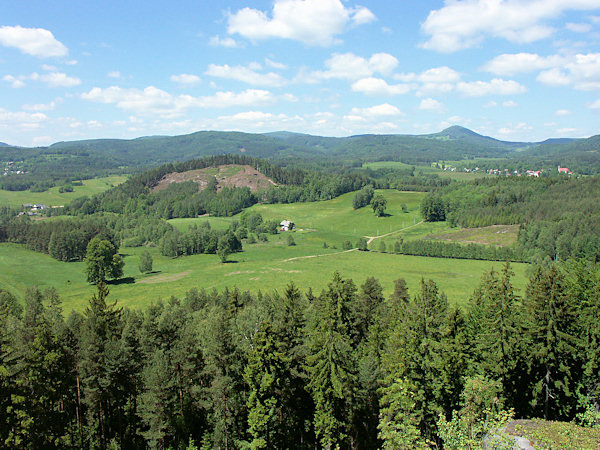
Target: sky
pixel 515 70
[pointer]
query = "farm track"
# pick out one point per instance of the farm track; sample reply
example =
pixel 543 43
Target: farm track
pixel 318 256
pixel 372 238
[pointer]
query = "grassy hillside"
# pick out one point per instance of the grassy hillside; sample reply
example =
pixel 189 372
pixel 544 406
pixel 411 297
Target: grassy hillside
pixel 53 197
pixel 270 265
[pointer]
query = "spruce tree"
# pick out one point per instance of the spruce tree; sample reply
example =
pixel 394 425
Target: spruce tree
pixel 331 364
pixel 554 347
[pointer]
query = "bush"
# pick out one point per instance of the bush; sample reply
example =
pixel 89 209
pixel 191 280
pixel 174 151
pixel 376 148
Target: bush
pixel 347 245
pixel 145 264
pixel 290 240
pixel 362 245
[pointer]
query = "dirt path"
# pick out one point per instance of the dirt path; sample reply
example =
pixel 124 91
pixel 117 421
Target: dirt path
pixel 372 238
pixel 318 256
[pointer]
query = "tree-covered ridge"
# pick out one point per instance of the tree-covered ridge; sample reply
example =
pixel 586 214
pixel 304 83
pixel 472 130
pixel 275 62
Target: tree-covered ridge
pixel 347 367
pixel 65 161
pixel 560 216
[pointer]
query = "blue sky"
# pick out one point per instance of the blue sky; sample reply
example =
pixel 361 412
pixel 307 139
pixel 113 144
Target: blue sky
pixel 512 69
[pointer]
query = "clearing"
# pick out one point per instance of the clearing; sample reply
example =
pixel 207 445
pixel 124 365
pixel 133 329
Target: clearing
pixel 498 235
pixel 227 175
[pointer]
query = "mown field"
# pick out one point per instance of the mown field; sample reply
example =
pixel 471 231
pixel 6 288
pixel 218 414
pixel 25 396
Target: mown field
pixel 52 197
pixel 270 265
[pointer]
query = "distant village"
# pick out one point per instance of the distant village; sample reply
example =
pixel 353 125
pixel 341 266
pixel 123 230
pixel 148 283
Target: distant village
pixel 10 168
pixel 509 173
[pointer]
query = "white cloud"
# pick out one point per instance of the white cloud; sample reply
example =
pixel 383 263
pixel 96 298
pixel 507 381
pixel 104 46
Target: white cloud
pixel 186 79
pixel 434 75
pixel 521 127
pixel 362 15
pixel 562 112
pixel 497 86
pixel 32 41
pixel 464 24
pixel 114 74
pixel 511 64
pixel 491 104
pixel 57 79
pixel 430 104
pixel 580 70
pixel 21 120
pixel 53 79
pixel 564 131
pixel 377 86
pixel 554 77
pixel 40 107
pixel 246 74
pixel 434 80
pixel 348 66
pixel 579 27
pixel 49 68
pixel 510 104
pixel 15 83
pixel 154 101
pixel 313 22
pixel 595 105
pixel 384 110
pixel 275 64
pixel 227 42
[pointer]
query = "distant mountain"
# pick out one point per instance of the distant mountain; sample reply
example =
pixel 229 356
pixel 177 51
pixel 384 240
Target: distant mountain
pixel 453 143
pixel 2 144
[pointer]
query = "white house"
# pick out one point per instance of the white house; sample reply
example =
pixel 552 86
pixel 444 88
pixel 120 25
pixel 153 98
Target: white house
pixel 286 225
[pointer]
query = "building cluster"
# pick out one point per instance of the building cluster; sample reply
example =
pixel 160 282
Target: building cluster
pixel 515 173
pixel 10 168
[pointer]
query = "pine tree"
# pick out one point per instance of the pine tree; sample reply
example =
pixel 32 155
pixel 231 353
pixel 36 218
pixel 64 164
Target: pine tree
pixel 495 325
pixel 158 403
pixel 99 344
pixel 264 375
pixel 414 353
pixel 330 363
pixel 398 421
pixel 554 347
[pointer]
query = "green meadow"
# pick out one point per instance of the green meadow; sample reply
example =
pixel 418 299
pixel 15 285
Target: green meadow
pixel 269 265
pixel 52 197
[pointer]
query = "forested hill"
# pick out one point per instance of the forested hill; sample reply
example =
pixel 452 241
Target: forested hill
pixel 451 144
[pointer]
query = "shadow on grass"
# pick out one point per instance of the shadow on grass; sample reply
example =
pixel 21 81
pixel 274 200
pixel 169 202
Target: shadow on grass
pixel 229 262
pixel 126 280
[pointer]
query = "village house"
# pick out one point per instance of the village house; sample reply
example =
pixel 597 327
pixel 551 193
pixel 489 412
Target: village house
pixel 287 225
pixel 564 170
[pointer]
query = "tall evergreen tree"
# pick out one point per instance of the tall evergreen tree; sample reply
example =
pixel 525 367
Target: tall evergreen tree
pixel 414 354
pixel 331 364
pixel 495 327
pixel 100 335
pixel 554 347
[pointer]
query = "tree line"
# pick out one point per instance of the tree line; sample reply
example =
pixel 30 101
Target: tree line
pixel 344 368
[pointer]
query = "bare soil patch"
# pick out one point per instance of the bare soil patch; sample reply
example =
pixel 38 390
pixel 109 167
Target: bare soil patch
pixel 228 175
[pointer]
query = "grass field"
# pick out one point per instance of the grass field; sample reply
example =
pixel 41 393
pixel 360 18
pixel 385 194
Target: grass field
pixel 267 266
pixel 52 197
